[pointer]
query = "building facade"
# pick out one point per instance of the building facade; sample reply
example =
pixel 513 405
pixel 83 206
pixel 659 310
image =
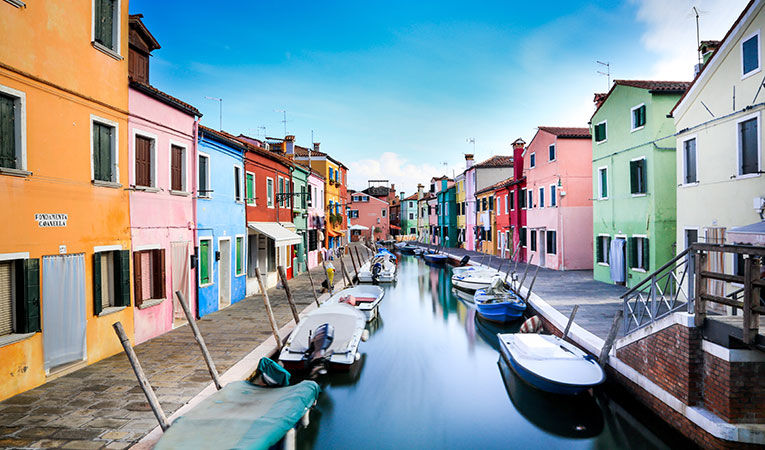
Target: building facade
pixel 516 197
pixel 409 216
pixel 469 208
pixel 447 214
pixel 369 212
pixel 485 220
pixel 315 209
pixel 503 207
pixel 300 215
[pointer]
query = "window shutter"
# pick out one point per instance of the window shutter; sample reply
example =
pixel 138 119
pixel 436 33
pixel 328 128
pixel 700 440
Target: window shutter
pixel 97 305
pixel 204 262
pixel 142 161
pixel 645 253
pixel 28 295
pixel 137 278
pixel 176 169
pixel 633 177
pixel 105 22
pixel 159 273
pixel 7 132
pixel 122 277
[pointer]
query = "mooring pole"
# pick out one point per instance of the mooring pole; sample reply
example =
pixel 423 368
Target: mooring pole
pixel 142 380
pixel 531 286
pixel 313 288
pixel 269 311
pixel 353 261
pixel 283 277
pixel 525 272
pixel 200 340
pixel 570 321
pixel 345 273
pixel 610 339
pixel 361 262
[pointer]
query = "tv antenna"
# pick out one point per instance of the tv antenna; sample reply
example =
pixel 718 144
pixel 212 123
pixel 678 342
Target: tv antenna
pixel 284 120
pixel 471 141
pixel 607 73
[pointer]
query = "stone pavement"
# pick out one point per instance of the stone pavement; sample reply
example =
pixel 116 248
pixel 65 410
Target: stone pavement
pixel 102 406
pixel 598 302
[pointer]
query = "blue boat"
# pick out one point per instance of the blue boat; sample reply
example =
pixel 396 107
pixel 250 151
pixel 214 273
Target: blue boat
pixel 549 363
pixel 408 249
pixel 498 302
pixel 435 258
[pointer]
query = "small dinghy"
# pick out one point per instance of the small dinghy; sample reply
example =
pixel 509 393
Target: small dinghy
pixel 380 269
pixel 408 249
pixel 365 298
pixel 549 363
pixel 419 251
pixel 327 337
pixel 470 280
pixel 498 302
pixel 435 258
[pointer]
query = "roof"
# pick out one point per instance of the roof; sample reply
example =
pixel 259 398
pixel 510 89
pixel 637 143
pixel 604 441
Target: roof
pixel 313 171
pixel 165 98
pixel 232 140
pixel 653 87
pixel 568 132
pixel 713 57
pixel 497 185
pixel 367 195
pixel 302 152
pixel 496 161
pixel 411 197
pixel 134 21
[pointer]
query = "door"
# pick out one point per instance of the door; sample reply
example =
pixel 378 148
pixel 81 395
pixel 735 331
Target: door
pixel 179 267
pixel 542 245
pixel 290 251
pixel 224 273
pixel 63 302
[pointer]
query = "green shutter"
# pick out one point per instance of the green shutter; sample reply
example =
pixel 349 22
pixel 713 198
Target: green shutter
pixel 250 189
pixel 646 254
pixel 204 260
pixel 97 284
pixel 28 295
pixel 238 255
pixel 104 16
pixel 7 132
pixel 633 177
pixel 604 183
pixel 106 152
pixel 122 277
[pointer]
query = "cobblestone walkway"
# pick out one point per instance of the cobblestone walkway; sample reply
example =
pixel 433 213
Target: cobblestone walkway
pixel 101 405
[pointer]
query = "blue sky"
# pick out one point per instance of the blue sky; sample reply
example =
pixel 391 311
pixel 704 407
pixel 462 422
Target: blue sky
pixel 394 89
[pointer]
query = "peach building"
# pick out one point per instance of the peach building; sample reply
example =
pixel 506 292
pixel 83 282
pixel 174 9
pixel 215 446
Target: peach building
pixel 558 169
pixel 371 213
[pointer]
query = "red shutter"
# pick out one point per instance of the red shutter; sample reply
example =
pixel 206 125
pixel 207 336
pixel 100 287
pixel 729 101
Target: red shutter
pixel 142 161
pixel 176 168
pixel 137 279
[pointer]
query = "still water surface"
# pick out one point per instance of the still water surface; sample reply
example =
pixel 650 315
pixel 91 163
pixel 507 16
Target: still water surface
pixel 431 377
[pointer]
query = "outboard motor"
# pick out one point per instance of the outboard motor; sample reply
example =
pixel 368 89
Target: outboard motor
pixel 376 269
pixel 464 260
pixel 318 343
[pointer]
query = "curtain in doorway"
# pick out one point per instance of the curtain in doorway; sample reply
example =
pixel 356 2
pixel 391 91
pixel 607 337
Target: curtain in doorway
pixel 180 268
pixel 63 302
pixel 616 258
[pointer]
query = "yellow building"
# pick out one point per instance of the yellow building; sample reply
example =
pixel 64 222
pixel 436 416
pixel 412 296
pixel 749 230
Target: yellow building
pixel 63 180
pixel 485 221
pixel 335 193
pixel 459 183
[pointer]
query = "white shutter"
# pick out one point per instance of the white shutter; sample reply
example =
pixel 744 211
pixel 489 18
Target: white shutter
pixel 6 298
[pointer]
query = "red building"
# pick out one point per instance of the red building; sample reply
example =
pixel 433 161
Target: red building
pixel 504 198
pixel 516 191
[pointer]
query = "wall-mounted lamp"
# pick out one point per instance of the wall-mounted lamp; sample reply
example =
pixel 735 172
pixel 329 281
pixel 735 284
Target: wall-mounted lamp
pixel 217 255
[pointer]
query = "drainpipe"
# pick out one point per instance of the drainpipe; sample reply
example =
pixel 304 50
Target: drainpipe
pixel 194 194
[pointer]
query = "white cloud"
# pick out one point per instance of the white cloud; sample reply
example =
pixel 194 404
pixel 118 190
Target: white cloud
pixel 670 31
pixel 393 167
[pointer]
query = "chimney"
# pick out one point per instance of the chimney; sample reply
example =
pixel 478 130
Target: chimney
pixel 518 148
pixel 706 50
pixel 419 191
pixel 598 99
pixel 468 160
pixel 289 144
pixel 316 146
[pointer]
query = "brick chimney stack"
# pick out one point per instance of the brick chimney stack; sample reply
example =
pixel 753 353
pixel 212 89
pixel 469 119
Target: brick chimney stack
pixel 468 160
pixel 289 144
pixel 519 146
pixel 316 146
pixel 419 191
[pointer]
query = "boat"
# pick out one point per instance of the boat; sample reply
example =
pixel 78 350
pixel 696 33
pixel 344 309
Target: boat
pixel 365 298
pixel 408 249
pixel 476 279
pixel 550 364
pixel 327 337
pixel 466 297
pixel 381 268
pixel 435 258
pixel 498 302
pixel 419 251
pixel 242 415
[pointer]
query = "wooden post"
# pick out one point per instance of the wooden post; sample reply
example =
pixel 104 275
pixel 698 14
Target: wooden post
pixel 142 380
pixel 361 262
pixel 283 277
pixel 610 339
pixel 269 311
pixel 347 278
pixel 751 319
pixel 699 307
pixel 313 288
pixel 355 269
pixel 531 286
pixel 200 340
pixel 525 271
pixel 570 321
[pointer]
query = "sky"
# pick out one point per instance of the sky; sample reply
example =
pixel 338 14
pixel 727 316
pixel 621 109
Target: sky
pixel 396 90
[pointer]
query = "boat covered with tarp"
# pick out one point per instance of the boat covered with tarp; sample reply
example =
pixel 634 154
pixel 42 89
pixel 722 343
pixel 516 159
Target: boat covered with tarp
pixel 364 297
pixel 435 258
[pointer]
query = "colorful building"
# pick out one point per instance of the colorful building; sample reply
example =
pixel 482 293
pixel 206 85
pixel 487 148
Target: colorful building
pixel 469 208
pixel 504 206
pixel 634 179
pixel 559 173
pixel 409 215
pixel 423 216
pixel 516 198
pixel 65 256
pixel 161 154
pixel 485 220
pixel 221 225
pixel 371 213
pixel 432 203
pixel 447 213
pixel 300 214
pixel 459 199
pixel 315 217
pixel 477 178
pixel 719 159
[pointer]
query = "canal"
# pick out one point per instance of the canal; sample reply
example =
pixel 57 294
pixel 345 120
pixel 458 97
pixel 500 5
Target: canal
pixel 431 377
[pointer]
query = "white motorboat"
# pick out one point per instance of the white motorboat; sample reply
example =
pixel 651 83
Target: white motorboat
pixel 365 298
pixel 470 280
pixel 380 269
pixel 340 327
pixel 549 363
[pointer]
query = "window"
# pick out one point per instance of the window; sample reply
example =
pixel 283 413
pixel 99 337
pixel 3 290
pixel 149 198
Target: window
pixel 552 245
pixel 638 248
pixel 600 132
pixel 750 55
pixel 331 178
pixel 551 152
pixel 602 250
pixel 106 19
pixel 270 192
pixel 19 296
pixel 239 255
pixel 602 183
pixel 511 196
pixel 412 231
pixel 313 240
pixel 290 190
pixel 522 236
pixel 532 160
pixel 12 129
pixel 411 216
pixel 204 176
pixel 691 236
pixel 383 212
pixel 533 240
pixel 507 208
pixel 148 276
pixel 522 199
pixel 638 117
pixel 249 188
pixel 553 195
pixel 748 146
pixel 541 197
pixel 499 206
pixel 353 213
pixel 411 204
pixel 280 198
pixel 531 199
pixel 689 161
pixel 145 160
pixel 637 176
pixel 238 183
pixel 205 262
pixel 491 203
pixel 177 168
pixel 303 197
pixel 104 149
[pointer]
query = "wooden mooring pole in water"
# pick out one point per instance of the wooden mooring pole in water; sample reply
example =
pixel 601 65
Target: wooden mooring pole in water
pixel 603 359
pixel 200 340
pixel 570 321
pixel 269 311
pixel 293 308
pixel 348 280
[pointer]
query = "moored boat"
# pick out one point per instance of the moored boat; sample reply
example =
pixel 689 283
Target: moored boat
pixel 408 249
pixel 470 280
pixel 435 258
pixel 365 298
pixel 549 363
pixel 381 268
pixel 498 302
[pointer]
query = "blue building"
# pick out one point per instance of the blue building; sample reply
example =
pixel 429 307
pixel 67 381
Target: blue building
pixel 221 224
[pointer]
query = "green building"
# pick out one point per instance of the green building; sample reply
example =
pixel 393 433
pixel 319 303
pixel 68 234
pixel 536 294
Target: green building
pixel 409 215
pixel 300 212
pixel 447 213
pixel 634 182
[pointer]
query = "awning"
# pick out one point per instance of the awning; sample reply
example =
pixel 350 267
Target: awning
pixel 333 233
pixel 394 227
pixel 281 235
pixel 359 227
pixel 753 234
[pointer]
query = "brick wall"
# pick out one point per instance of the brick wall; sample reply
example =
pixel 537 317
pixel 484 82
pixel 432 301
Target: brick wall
pixel 735 391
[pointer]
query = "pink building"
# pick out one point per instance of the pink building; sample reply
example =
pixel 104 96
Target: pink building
pixel 162 155
pixel 558 168
pixel 433 219
pixel 315 218
pixel 370 212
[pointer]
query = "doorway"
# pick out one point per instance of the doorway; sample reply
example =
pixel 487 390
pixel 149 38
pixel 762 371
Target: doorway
pixel 224 273
pixel 618 260
pixel 542 245
pixel 179 266
pixel 63 304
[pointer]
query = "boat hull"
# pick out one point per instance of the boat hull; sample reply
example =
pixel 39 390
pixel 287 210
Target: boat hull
pixel 435 259
pixel 500 312
pixel 470 285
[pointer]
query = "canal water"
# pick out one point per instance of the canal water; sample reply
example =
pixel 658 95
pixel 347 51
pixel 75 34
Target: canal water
pixel 431 377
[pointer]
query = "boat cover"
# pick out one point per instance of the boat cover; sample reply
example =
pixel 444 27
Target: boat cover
pixel 348 323
pixel 241 415
pixel 273 374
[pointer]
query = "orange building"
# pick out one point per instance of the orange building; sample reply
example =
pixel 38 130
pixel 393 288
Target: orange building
pixel 64 253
